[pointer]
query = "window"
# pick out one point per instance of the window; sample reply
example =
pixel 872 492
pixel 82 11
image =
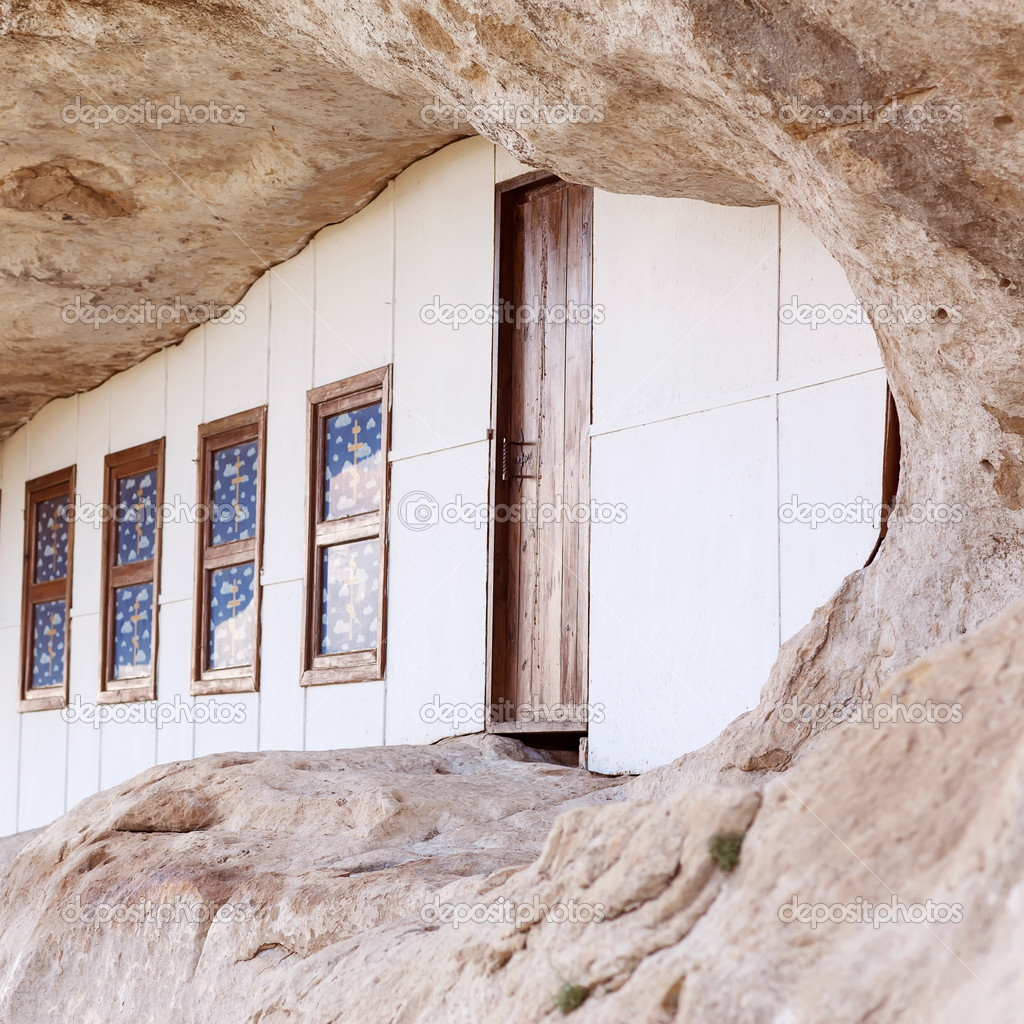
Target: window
pixel 229 553
pixel 890 468
pixel 46 591
pixel 347 510
pixel 133 489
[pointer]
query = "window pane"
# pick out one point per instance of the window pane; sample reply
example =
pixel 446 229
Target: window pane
pixel 353 462
pixel 49 631
pixel 351 584
pixel 136 518
pixel 235 478
pixel 51 539
pixel 133 638
pixel 231 616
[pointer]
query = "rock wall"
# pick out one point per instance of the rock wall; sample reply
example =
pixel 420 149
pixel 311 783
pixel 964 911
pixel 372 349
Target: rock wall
pixel 473 881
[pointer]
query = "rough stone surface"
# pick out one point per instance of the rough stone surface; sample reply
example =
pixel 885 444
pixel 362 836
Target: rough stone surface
pixel 313 848
pixel 333 856
pixel 173 211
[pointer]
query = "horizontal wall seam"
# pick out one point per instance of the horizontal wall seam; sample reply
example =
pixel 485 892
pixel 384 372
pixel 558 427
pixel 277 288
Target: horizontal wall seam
pixel 741 398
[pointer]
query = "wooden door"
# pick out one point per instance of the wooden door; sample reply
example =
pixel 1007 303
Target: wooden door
pixel 542 485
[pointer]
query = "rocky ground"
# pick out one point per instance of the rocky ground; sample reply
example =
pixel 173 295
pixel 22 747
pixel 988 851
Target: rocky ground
pixel 354 885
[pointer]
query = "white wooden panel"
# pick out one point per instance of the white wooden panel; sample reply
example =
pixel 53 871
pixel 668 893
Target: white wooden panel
pixel 683 593
pixel 14 454
pixel 237 724
pixel 174 734
pixel 507 166
pixel 137 403
pixel 236 357
pixel 346 715
pixel 51 437
pixel 281 697
pixel 444 226
pixel 291 375
pixel 185 365
pixel 93 432
pixel 438 591
pixel 43 776
pixel 10 728
pixel 808 275
pixel 354 292
pixel 687 294
pixel 831 439
pixel 127 746
pixel 83 736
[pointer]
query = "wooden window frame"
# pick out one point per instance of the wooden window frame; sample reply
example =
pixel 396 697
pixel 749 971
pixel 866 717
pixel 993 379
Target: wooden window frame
pixel 129 462
pixel 322 404
pixel 213 436
pixel 42 489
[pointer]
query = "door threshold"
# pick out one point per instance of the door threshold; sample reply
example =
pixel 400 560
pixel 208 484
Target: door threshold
pixel 517 728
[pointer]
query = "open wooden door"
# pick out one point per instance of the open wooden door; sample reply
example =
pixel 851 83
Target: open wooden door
pixel 542 467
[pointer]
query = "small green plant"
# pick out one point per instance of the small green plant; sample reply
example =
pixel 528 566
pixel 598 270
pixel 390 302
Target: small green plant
pixel 724 848
pixel 570 997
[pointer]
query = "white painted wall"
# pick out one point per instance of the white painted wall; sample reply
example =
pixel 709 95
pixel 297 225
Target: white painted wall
pixel 708 413
pixel 705 412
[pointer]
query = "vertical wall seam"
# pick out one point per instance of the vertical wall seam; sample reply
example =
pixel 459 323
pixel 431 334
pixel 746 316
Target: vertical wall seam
pixel 70 618
pixel 393 190
pixel 778 427
pixel 271 274
pixel 102 728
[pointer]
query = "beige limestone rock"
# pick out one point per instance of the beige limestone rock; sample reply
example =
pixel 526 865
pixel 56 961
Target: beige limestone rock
pixel 333 857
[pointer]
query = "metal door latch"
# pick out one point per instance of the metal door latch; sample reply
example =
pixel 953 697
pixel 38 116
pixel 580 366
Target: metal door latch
pixel 516 458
